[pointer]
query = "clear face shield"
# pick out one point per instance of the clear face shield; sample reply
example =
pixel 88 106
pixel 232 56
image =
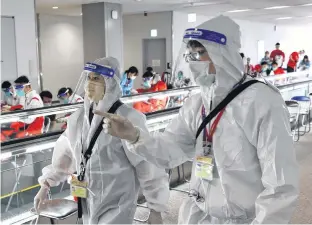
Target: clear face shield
pixel 193 50
pixel 95 81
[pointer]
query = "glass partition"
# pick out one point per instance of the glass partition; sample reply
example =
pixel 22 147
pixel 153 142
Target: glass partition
pixel 21 167
pixel 22 160
pixel 44 121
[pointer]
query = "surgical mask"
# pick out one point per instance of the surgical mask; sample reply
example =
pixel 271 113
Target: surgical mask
pixel 95 91
pixel 20 92
pixel 200 72
pixel 7 94
pixel 265 68
pixel 146 84
pixel 133 78
pixel 47 104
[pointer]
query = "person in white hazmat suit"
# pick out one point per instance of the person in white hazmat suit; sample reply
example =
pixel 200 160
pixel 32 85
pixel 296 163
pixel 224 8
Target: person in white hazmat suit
pixel 113 174
pixel 255 173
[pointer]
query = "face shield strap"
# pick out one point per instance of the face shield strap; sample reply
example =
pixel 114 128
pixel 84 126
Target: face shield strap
pixel 207 35
pixel 103 70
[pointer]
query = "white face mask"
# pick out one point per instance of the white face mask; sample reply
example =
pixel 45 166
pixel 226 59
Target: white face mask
pixel 133 77
pixel 47 104
pixel 95 91
pixel 200 72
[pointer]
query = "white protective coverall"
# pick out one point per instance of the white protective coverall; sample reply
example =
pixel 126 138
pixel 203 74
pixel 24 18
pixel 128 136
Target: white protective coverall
pixel 256 173
pixel 113 173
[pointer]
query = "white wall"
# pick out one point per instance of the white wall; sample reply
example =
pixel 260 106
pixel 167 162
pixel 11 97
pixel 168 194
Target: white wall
pixel 292 38
pixel 138 27
pixel 25 31
pixel 61 43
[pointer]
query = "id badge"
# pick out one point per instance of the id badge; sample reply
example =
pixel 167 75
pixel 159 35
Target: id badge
pixel 204 167
pixel 78 188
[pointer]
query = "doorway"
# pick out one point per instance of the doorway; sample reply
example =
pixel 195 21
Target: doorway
pixel 154 54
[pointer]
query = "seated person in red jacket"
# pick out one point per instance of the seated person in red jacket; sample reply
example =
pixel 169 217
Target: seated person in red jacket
pixel 31 125
pixel 277 70
pixel 151 83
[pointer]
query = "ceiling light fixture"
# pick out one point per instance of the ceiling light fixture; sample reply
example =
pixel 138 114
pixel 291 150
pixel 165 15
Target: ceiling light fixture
pixel 55 7
pixel 154 33
pixel 309 4
pixel 238 10
pixel 81 14
pixel 309 16
pixel 191 18
pixel 278 7
pixel 284 18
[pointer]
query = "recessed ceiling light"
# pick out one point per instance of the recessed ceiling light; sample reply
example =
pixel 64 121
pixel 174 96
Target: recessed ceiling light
pixel 191 18
pixel 309 16
pixel 154 33
pixel 284 18
pixel 309 4
pixel 80 14
pixel 239 10
pixel 55 7
pixel 138 0
pixel 278 7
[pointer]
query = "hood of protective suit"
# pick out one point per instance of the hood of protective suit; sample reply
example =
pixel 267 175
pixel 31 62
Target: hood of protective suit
pixel 225 56
pixel 112 91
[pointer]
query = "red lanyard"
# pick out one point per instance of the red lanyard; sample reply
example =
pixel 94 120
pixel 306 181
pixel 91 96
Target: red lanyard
pixel 213 127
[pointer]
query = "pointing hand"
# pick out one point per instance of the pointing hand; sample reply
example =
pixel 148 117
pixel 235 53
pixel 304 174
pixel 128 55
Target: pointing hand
pixel 119 126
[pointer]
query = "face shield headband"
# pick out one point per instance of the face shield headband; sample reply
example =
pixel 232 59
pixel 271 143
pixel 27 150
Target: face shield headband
pixel 103 70
pixel 207 35
pixel 21 86
pixel 63 94
pixel 6 89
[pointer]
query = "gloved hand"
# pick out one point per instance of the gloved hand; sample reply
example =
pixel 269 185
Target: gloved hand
pixel 120 127
pixel 133 91
pixel 41 196
pixel 61 120
pixel 155 218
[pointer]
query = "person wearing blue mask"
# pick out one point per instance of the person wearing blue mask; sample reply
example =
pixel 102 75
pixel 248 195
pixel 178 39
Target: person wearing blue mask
pixel 7 90
pixel 66 96
pixel 127 80
pixel 33 100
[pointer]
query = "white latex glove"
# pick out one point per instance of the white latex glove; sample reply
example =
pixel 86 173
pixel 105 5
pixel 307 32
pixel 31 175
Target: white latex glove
pixel 155 218
pixel 119 126
pixel 134 92
pixel 61 120
pixel 41 196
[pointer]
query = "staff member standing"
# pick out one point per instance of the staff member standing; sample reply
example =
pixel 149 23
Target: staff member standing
pixel 277 54
pixel 292 63
pixel 127 80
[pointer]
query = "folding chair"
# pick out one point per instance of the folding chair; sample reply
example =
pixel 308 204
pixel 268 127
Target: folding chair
pixel 305 112
pixel 294 111
pixel 55 210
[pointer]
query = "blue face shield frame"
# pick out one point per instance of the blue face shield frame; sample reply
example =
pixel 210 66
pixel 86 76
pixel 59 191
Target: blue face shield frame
pixel 103 70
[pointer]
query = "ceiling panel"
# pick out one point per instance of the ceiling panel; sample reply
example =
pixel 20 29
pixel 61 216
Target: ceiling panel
pixel 204 7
